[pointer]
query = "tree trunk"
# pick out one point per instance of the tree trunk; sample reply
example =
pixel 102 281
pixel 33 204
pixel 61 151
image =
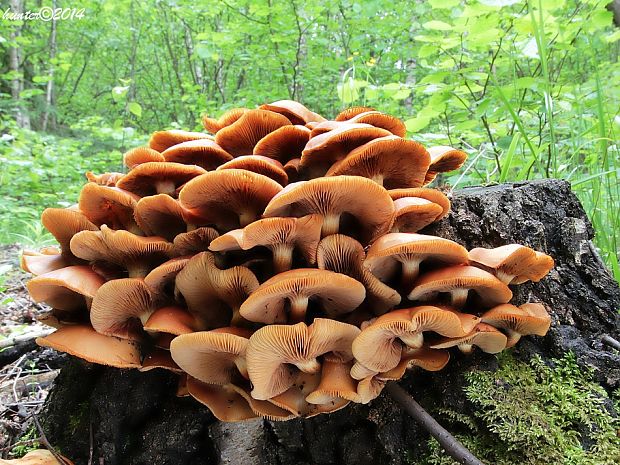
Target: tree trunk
pixel 136 418
pixel 15 65
pixel 49 92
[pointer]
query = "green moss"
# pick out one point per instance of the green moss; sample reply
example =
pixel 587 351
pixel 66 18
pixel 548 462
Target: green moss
pixel 535 414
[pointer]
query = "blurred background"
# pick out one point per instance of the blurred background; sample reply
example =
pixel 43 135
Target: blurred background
pixel 529 89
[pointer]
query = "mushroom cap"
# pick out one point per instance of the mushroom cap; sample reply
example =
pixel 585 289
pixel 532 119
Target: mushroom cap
pixel 385 253
pixel 381 120
pixel 336 383
pixel 337 293
pixel 145 179
pixel 139 155
pixel 258 164
pixel 68 289
pixel 108 205
pixel 210 293
pixel 229 117
pixel 490 289
pixel 170 320
pixel 160 215
pixel 225 402
pixel 334 196
pixel 159 358
pixel 214 357
pixel 160 279
pixel 513 263
pixel 201 152
pixel 391 161
pixel 432 195
pixel 351 112
pixel 294 111
pixel 484 336
pixel 345 255
pixel 291 168
pixel 275 350
pixel 325 149
pixel 294 398
pixel 527 319
pixel 120 308
pixel 63 223
pixel 137 254
pixel 161 140
pixel 444 159
pixel 414 213
pixel 38 263
pixel 424 357
pixel 84 342
pixel 195 241
pixel 241 136
pixel 283 144
pixel 38 457
pixel 228 197
pixel 104 179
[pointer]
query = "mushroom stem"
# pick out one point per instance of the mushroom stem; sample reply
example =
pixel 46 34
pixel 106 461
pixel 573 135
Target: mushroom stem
pixel 299 305
pixel 413 340
pixel 459 297
pixel 331 224
pixel 309 366
pixel 282 257
pixel 133 228
pixel 378 178
pixel 241 364
pixel 246 217
pixel 410 271
pixel 165 187
pixel 513 338
pixel 451 445
pixel 139 270
pixel 504 277
pixel 237 320
pixel 466 348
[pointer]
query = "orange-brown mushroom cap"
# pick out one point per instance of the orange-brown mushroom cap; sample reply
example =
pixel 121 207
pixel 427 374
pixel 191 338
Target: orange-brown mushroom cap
pixel 294 111
pixel 414 213
pixel 111 206
pixel 84 342
pixel 291 290
pixel 160 215
pixel 513 263
pixel 241 136
pixel 426 193
pixel 229 117
pixel 139 155
pixel 336 383
pixel 64 223
pixel 390 161
pixel 444 159
pixel 38 263
pixel 192 242
pixel 333 197
pixel 458 281
pixel 158 178
pixel 283 144
pixel 349 113
pixel 531 318
pixel 276 353
pixel 201 152
pixel 170 320
pixel 381 120
pixel 104 179
pixel 228 198
pixel 225 402
pixel 160 279
pixel 161 140
pixel 258 164
pixel 484 336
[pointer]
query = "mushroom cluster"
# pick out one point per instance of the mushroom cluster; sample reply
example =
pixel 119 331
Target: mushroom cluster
pixel 276 264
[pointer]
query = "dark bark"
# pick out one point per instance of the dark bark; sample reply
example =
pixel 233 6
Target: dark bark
pixel 136 419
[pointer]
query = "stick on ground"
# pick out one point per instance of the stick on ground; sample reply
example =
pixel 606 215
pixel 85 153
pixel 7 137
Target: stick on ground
pixel 450 444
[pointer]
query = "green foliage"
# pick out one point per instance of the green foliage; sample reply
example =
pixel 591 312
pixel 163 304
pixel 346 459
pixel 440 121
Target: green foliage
pixel 535 414
pixel 26 443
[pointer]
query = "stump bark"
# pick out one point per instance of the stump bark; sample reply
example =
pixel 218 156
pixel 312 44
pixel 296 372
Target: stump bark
pixel 101 415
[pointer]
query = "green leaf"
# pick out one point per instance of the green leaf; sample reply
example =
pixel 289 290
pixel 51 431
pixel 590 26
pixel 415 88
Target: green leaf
pixel 418 123
pixel 119 93
pixel 135 109
pixel 444 4
pixel 499 3
pixel 437 26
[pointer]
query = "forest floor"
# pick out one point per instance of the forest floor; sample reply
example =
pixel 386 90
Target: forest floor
pixel 26 371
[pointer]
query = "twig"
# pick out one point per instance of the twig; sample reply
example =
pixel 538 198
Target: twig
pixel 611 342
pixel 10 341
pixel 90 435
pixel 451 445
pixel 46 443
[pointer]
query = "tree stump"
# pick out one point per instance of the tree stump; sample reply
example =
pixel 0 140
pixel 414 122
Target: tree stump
pixel 101 415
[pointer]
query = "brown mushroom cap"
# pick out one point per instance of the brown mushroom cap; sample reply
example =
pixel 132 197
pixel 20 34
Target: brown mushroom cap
pixel 325 149
pixel 283 144
pixel 414 213
pixel 38 263
pixel 458 281
pixel 104 179
pixel 70 289
pixel 241 136
pixel 424 357
pixel 349 113
pixel 161 279
pixel 225 402
pixel 192 242
pixel 170 320
pixel 520 321
pixel 294 398
pixel 259 164
pixel 160 215
pixel 158 178
pixel 84 342
pixel 276 352
pixel 137 254
pixel 390 161
pixel 228 198
pixel 484 336
pixel 444 159
pixel 409 250
pixel 121 307
pixel 201 152
pixel 212 295
pixel 213 125
pixel 294 111
pixel 513 263
pixel 291 291
pixel 139 155
pixel 336 383
pixel 381 120
pixel 109 205
pixel 345 255
pixel 432 195
pixel 291 168
pixel 161 140
pixel 280 235
pixel 331 198
pixel 63 223
pixel 215 357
